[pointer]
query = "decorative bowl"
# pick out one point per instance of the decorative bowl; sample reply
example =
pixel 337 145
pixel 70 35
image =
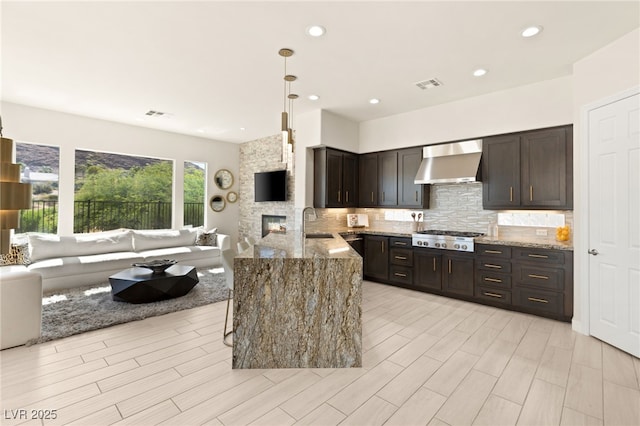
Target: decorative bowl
pixel 157 266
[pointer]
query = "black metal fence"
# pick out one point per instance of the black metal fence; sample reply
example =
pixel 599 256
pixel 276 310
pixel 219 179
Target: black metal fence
pixel 91 216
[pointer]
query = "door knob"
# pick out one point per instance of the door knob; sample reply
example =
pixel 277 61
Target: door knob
pixel 593 252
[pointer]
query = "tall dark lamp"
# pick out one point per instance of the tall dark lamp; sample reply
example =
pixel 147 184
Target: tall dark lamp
pixel 13 194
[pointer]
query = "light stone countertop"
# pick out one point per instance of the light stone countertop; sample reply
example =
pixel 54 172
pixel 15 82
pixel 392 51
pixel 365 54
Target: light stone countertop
pixel 517 241
pixel 292 245
pixel 297 304
pixel 523 242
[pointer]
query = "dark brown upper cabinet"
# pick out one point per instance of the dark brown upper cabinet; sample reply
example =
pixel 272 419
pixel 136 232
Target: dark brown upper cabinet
pixel 411 195
pixel 528 170
pixel 335 178
pixel 368 191
pixel 386 180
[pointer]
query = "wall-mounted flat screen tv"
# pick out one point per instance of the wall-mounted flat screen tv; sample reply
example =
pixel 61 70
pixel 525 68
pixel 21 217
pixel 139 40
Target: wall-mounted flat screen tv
pixel 271 186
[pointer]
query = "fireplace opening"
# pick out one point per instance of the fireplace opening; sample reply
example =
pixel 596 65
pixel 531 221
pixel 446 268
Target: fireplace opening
pixel 273 224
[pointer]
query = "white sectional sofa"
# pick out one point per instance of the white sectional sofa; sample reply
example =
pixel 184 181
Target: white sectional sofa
pixel 83 259
pixel 20 305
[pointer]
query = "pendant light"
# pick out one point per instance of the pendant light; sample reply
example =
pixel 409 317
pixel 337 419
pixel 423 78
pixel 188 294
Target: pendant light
pixel 286 127
pixel 14 195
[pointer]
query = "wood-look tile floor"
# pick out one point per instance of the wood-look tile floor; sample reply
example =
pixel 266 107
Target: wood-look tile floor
pixel 428 360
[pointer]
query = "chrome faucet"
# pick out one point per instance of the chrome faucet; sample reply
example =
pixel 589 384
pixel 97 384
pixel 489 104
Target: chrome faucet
pixel 314 216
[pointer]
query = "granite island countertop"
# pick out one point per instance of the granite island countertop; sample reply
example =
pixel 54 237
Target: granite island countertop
pixel 297 304
pixel 294 245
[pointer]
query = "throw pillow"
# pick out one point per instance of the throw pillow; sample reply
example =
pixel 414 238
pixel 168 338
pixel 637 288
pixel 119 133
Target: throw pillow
pixel 18 255
pixel 207 238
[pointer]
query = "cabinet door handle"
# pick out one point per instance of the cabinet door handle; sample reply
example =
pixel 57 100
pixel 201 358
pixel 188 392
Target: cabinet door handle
pixel 346 196
pixel 398 274
pixel 530 192
pixel 400 243
pixel 400 257
pixel 493 251
pixel 489 265
pixel 383 246
pixel 416 196
pixel 372 196
pixel 338 196
pixel 535 299
pixel 434 264
pixel 539 256
pixel 383 196
pixel 493 280
pixel 449 266
pixel 540 277
pixel 511 194
pixel 486 293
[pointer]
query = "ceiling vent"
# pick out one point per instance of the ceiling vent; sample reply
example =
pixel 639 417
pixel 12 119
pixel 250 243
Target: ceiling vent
pixel 429 84
pixel 152 113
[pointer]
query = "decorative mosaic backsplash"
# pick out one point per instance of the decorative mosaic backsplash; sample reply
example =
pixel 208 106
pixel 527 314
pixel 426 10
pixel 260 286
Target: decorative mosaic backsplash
pixel 456 207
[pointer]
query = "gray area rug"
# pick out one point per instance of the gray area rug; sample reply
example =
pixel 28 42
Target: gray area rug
pixel 82 309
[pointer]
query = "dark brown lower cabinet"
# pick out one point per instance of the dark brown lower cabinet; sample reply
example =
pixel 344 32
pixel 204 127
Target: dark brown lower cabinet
pixel 535 281
pixel 427 266
pixel 376 257
pixel 401 263
pixel 457 274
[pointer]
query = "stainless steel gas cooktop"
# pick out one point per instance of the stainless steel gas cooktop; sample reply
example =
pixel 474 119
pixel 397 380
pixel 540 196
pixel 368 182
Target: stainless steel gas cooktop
pixel 445 240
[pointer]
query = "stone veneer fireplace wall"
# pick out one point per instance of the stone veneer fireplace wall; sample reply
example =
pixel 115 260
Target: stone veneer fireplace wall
pixel 261 155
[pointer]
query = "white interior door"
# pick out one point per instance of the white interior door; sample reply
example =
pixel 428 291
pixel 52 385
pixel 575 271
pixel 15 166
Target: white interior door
pixel 614 223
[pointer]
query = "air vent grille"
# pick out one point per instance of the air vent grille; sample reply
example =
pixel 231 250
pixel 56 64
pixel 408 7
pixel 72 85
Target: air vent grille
pixel 152 113
pixel 429 84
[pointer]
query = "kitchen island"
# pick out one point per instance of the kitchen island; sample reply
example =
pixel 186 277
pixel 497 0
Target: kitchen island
pixel 297 303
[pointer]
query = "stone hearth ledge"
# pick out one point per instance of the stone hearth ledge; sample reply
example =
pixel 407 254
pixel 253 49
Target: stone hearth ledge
pixel 297 304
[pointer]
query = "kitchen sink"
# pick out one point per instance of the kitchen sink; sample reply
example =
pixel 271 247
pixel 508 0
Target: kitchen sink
pixel 319 235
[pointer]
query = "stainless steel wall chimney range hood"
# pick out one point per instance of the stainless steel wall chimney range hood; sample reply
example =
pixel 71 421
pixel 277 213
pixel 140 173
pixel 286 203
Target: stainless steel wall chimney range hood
pixel 455 162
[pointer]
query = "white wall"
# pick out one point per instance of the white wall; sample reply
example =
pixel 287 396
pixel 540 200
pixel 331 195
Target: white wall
pixel 70 132
pixel 339 132
pixel 543 104
pixel 606 72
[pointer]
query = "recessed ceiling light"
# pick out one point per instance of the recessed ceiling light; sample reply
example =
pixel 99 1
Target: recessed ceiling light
pixel 531 31
pixel 374 101
pixel 314 97
pixel 243 129
pixel 316 31
pixel 479 72
pixel 200 130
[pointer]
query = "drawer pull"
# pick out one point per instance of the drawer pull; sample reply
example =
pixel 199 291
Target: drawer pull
pixel 540 277
pixel 539 256
pixel 492 280
pixel 493 251
pixel 486 293
pixel 489 265
pixel 399 243
pixel 400 257
pixel 399 274
pixel 535 299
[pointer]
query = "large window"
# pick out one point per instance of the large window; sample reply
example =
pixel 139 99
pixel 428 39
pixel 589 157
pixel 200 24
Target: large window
pixel 194 189
pixel 121 191
pixel 39 165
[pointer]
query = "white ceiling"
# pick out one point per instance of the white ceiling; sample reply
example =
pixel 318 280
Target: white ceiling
pixel 214 66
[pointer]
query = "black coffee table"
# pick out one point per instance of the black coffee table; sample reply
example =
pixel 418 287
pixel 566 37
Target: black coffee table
pixel 140 285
